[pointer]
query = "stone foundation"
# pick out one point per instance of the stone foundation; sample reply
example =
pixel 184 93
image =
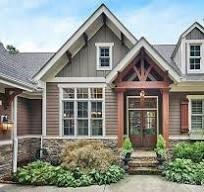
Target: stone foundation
pixel 27 148
pixel 26 153
pixel 55 146
pixel 6 156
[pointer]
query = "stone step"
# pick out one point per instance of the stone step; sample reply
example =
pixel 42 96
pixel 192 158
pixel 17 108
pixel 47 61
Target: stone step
pixel 143 171
pixel 139 163
pixel 144 156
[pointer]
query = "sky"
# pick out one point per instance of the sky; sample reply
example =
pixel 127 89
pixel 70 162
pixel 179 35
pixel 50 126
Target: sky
pixel 44 25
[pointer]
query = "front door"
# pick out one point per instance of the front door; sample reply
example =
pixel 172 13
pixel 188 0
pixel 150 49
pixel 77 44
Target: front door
pixel 142 120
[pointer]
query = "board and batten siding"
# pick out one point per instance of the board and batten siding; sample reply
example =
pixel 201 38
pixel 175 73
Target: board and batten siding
pixel 84 62
pixel 195 34
pixel 29 116
pixel 52 110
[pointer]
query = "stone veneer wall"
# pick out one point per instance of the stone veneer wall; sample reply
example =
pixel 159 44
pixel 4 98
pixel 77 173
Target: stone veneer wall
pixel 26 152
pixel 6 154
pixel 27 148
pixel 55 146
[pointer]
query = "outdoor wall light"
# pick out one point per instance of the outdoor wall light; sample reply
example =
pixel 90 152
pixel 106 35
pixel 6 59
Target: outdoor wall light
pixel 5 125
pixel 142 93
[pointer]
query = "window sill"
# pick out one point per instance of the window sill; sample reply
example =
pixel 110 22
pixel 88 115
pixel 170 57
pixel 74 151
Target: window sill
pixel 104 69
pixel 197 135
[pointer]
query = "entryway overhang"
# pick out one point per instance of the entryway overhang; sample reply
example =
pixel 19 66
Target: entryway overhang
pixel 142 72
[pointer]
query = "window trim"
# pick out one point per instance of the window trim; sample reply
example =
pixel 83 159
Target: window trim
pixel 98 46
pixel 190 98
pixel 75 86
pixel 195 43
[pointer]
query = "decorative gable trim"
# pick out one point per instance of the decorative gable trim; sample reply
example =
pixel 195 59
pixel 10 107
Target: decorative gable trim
pixel 142 43
pixel 101 10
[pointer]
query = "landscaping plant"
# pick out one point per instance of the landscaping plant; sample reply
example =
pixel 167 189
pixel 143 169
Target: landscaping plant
pixel 161 148
pixel 127 146
pixel 87 155
pixel 185 171
pixel 42 173
pixel 193 151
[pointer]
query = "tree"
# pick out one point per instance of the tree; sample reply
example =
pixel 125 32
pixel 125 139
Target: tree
pixel 11 49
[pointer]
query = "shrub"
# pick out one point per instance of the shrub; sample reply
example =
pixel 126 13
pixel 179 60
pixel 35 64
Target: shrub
pixel 185 171
pixel 87 155
pixel 127 146
pixel 194 151
pixel 161 147
pixel 42 173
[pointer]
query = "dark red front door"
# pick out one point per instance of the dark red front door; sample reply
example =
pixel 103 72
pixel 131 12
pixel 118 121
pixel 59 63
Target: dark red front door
pixel 142 121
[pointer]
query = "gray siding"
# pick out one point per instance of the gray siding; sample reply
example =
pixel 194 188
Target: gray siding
pixel 52 114
pixel 111 112
pixel 52 118
pixel 84 63
pixel 195 34
pixel 29 116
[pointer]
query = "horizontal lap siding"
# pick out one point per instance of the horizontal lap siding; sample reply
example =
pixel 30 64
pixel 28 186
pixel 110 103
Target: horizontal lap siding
pixel 23 116
pixel 111 112
pixel 29 116
pixel 52 107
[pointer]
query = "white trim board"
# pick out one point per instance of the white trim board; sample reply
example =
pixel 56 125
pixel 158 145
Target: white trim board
pixel 79 33
pixel 67 138
pixel 78 80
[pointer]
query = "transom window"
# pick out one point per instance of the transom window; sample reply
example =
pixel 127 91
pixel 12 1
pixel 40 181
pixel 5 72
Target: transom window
pixel 195 57
pixel 104 56
pixel 197 114
pixel 82 111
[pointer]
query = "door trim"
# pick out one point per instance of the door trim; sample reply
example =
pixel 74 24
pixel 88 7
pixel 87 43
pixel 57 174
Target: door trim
pixel 127 114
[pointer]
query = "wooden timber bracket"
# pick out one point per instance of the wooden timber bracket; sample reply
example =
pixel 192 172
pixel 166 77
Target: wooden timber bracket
pixel 10 94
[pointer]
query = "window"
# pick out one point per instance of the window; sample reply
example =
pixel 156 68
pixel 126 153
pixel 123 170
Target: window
pixel 104 56
pixel 83 111
pixel 195 57
pixel 197 114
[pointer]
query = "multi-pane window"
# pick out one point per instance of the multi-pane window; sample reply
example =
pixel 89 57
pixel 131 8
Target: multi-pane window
pixel 104 55
pixel 104 59
pixel 195 57
pixel 83 111
pixel 197 114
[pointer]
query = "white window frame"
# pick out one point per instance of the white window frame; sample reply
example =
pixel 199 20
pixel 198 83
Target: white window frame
pixel 191 98
pixel 75 100
pixel 194 43
pixel 101 45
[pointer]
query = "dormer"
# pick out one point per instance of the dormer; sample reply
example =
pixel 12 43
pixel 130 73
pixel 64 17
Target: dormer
pixel 189 51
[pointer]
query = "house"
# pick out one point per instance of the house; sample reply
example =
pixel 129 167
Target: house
pixel 102 84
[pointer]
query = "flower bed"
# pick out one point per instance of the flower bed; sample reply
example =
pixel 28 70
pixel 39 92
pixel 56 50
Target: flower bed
pixel 43 173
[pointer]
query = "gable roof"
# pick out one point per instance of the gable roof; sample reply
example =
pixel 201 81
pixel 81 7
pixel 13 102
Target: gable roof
pixel 151 51
pixel 66 46
pixel 185 33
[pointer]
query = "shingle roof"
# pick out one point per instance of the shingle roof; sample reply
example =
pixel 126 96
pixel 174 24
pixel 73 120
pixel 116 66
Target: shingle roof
pixel 21 67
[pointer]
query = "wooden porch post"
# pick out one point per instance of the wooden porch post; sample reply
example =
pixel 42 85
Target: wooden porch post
pixel 120 116
pixel 165 114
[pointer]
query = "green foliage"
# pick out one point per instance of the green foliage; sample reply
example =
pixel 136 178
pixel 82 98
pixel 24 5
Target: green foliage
pixel 11 49
pixel 42 173
pixel 185 171
pixel 112 175
pixel 87 155
pixel 127 145
pixel 161 147
pixel 194 151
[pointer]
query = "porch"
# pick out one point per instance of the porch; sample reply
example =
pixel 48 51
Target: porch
pixel 142 90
